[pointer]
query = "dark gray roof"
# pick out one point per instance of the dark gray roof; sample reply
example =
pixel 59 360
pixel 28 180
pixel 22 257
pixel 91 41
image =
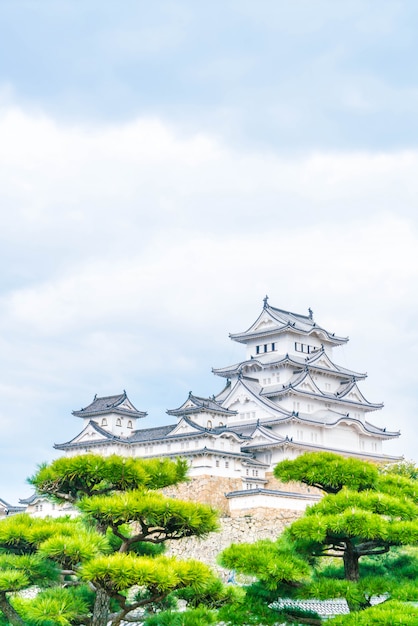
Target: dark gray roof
pixel 324 608
pixel 286 321
pixel 314 447
pixel 271 492
pixel 195 404
pixel 254 388
pixel 10 508
pixel 310 361
pixel 110 404
pixel 151 434
pixel 91 443
pixel 340 396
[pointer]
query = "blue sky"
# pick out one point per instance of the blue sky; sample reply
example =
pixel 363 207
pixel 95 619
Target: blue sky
pixel 165 165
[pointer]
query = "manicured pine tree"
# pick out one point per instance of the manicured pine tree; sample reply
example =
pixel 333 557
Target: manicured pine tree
pixel 121 506
pixel 364 515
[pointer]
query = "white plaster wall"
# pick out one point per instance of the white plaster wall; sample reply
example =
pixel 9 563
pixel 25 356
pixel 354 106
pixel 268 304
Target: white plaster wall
pixel 256 501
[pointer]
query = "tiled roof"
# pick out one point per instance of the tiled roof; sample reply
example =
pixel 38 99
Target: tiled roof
pixel 286 321
pixel 151 434
pixel 195 404
pixel 10 508
pixel 110 404
pixel 311 361
pixel 324 608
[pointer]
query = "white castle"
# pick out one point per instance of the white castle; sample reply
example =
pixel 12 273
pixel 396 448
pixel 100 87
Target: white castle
pixel 287 397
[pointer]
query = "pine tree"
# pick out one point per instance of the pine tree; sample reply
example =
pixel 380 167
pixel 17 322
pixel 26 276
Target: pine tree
pixel 367 520
pixel 94 563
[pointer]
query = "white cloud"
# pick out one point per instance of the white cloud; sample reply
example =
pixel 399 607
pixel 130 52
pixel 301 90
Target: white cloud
pixel 140 248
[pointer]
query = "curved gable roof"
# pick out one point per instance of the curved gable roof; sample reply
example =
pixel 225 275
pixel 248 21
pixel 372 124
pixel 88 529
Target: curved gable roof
pixel 273 321
pixel 110 404
pixel 196 404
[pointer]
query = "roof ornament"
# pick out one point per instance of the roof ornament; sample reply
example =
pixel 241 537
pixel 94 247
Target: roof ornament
pixel 95 397
pixel 265 300
pixel 310 313
pixel 190 394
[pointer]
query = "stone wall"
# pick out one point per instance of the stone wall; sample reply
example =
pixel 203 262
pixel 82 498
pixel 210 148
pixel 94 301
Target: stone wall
pixel 235 527
pixel 206 489
pixel 259 524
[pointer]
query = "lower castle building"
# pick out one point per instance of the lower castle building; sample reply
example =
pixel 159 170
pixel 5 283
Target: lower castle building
pixel 287 396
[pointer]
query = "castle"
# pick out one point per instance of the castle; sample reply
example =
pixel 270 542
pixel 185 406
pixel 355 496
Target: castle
pixel 286 397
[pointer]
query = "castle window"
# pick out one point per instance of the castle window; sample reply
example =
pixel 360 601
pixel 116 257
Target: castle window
pixel 226 463
pixel 273 347
pixel 304 347
pixel 217 463
pixel 265 347
pixel 104 422
pixel 118 422
pixel 129 424
pixel 209 424
pixel 257 349
pixel 221 423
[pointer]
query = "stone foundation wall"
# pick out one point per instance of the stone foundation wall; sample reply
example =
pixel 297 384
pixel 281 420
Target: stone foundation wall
pixel 259 524
pixel 206 489
pixel 235 527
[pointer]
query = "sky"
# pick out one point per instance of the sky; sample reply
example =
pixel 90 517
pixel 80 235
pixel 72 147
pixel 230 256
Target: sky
pixel 165 165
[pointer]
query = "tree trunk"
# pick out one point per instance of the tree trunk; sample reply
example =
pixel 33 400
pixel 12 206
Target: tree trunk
pixel 351 566
pixel 101 609
pixel 9 612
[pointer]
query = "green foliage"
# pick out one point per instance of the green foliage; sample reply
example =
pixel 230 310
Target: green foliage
pixel 365 514
pixel 408 469
pixel 200 616
pixel 54 607
pixel 143 548
pixel 159 518
pixel 247 610
pixel 105 547
pixel 213 595
pixel 385 614
pixel 70 551
pixel 400 486
pixel 271 562
pixel 117 572
pixel 70 478
pixel 20 571
pixel 328 472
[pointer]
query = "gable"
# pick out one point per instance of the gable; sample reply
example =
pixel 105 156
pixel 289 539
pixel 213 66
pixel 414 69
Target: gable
pixel 307 386
pixel 264 324
pixel 323 363
pixel 89 433
pixel 183 428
